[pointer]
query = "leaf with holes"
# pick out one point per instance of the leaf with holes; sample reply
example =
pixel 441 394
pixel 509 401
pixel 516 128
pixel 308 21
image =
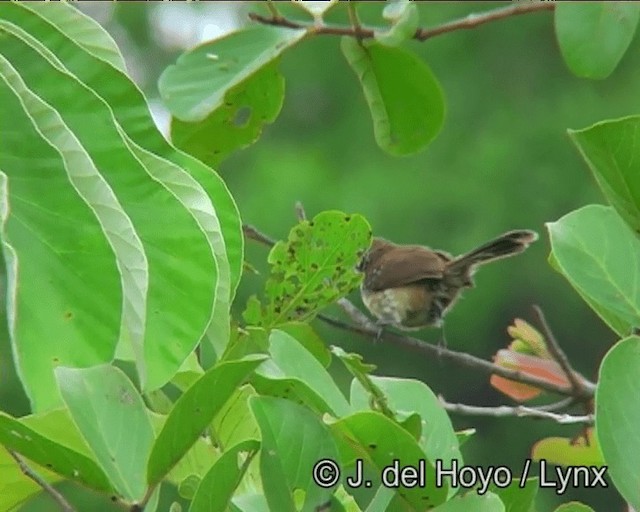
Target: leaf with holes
pixel 238 122
pixel 196 85
pixel 315 267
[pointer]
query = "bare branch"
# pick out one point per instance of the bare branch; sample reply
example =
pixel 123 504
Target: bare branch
pixel 46 486
pixel 422 34
pixel 519 411
pixel 462 358
pixel 253 234
pixel 300 213
pixel 576 380
pixel 474 20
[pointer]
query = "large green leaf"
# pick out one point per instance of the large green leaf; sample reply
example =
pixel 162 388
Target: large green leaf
pixel 593 36
pixel 196 85
pixel 618 416
pixel 381 443
pixel 130 110
pixel 217 487
pixel 55 315
pixel 438 439
pixel 600 256
pixel 193 411
pixel 81 29
pixel 143 184
pixel 404 97
pixel 612 151
pixel 110 414
pixel 292 361
pixel 293 441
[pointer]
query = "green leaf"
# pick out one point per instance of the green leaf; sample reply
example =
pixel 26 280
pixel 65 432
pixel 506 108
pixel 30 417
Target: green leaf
pixel 567 451
pixel 237 122
pixel 309 339
pixel 404 18
pixel 196 85
pixel 594 36
pixel 516 498
pixel 15 488
pixel 610 148
pixel 472 502
pixel 618 416
pixel 54 314
pixel 79 28
pixel 235 423
pixel 315 267
pixel 404 97
pixel 110 414
pixel 130 110
pixel 438 439
pixel 55 457
pixel 293 441
pixel 574 506
pixel 600 256
pixel 133 173
pixel 380 441
pixel 218 486
pixel 193 411
pixel 293 361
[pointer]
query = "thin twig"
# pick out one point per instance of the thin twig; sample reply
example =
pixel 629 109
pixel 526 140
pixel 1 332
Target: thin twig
pixel 519 411
pixel 558 354
pixel 253 234
pixel 422 34
pixel 46 486
pixel 474 20
pixel 300 213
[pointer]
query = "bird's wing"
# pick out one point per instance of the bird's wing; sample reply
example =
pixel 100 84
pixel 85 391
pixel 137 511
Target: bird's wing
pixel 406 265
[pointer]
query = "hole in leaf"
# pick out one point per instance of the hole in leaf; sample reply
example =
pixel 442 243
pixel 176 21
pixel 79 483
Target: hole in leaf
pixel 242 116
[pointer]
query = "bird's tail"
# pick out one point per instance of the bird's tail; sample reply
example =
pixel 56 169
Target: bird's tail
pixel 508 244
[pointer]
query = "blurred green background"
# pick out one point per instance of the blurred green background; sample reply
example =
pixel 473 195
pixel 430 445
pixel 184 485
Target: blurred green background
pixel 502 161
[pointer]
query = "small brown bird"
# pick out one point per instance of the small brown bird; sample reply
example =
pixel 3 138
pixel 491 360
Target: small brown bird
pixel 412 286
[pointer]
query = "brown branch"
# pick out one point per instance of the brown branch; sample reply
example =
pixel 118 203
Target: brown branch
pixel 577 381
pixel 422 34
pixel 46 486
pixel 461 358
pixel 364 326
pixel 474 20
pixel 519 411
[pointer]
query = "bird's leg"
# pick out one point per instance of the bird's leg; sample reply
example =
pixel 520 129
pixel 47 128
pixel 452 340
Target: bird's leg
pixel 381 327
pixel 442 341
